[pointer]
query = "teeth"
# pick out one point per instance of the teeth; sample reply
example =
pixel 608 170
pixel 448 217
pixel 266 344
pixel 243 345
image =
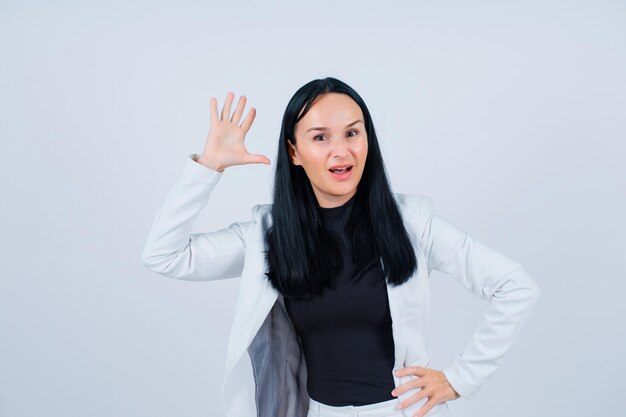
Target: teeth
pixel 339 169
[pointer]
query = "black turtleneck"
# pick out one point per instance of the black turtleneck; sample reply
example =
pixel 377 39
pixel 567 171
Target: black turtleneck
pixel 345 333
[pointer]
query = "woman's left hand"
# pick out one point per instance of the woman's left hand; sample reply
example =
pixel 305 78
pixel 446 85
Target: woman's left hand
pixel 434 385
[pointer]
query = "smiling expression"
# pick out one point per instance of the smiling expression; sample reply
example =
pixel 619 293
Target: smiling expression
pixel 331 136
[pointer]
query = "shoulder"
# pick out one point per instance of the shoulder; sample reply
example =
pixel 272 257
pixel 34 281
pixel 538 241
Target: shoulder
pixel 262 213
pixel 263 209
pixel 415 207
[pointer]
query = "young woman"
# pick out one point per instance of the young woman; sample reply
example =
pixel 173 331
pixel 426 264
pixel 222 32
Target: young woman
pixel 332 312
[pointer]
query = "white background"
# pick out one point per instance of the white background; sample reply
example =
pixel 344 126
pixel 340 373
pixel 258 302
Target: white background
pixel 510 115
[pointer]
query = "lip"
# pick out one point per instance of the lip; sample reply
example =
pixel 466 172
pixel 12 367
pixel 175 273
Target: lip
pixel 341 177
pixel 340 166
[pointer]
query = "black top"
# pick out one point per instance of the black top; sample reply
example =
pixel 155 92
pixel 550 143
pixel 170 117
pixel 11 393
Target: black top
pixel 346 333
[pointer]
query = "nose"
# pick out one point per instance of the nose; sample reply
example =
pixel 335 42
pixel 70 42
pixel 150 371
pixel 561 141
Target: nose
pixel 339 149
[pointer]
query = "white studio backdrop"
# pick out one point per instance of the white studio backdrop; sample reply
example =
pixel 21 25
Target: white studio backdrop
pixel 510 115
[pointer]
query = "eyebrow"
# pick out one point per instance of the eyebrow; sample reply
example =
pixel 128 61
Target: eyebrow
pixel 325 128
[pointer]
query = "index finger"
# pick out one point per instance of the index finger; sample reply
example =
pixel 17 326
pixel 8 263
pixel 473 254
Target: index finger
pixel 249 119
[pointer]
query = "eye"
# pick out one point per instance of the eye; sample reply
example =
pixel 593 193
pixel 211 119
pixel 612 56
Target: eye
pixel 318 136
pixel 356 132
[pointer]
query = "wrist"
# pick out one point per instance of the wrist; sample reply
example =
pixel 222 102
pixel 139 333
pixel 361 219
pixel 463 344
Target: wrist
pixel 209 164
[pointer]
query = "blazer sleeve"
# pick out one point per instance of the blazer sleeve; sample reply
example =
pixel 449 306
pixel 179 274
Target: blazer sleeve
pixel 173 251
pixel 488 274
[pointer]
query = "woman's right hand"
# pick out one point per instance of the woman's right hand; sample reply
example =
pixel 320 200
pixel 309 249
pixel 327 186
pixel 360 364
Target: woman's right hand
pixel 225 142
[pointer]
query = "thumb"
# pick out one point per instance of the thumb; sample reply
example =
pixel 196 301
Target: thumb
pixel 256 159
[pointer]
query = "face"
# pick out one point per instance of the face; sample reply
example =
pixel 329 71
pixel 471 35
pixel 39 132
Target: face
pixel 331 135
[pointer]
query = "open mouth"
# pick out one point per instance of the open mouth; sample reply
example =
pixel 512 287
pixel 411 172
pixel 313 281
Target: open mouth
pixel 340 170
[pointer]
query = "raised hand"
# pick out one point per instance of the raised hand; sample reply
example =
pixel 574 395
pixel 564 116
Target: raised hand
pixel 225 142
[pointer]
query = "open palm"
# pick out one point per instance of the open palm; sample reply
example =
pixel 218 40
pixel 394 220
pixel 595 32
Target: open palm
pixel 225 142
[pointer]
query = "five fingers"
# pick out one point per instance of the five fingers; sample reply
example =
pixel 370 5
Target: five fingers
pixel 224 117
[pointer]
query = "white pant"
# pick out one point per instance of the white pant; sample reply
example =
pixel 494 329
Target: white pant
pixel 382 409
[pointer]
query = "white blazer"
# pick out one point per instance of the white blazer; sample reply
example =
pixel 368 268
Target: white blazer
pixel 265 368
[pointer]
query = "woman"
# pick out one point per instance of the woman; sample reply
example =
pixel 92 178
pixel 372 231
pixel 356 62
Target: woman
pixel 332 311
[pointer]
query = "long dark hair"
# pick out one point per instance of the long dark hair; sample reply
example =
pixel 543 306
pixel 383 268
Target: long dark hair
pixel 303 257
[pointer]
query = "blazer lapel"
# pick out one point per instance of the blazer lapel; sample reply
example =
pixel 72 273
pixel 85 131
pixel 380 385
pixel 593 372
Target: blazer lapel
pixel 255 297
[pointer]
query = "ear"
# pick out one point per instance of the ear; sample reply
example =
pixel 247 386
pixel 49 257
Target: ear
pixel 293 154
